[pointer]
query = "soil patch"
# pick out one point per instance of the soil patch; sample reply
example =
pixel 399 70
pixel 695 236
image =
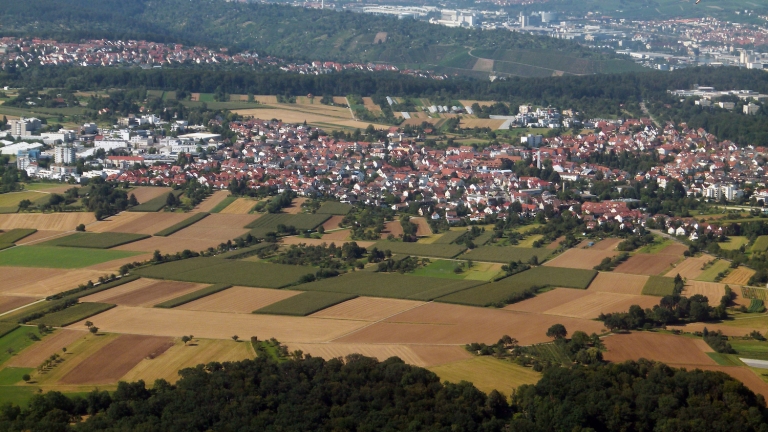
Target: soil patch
pixel 647 264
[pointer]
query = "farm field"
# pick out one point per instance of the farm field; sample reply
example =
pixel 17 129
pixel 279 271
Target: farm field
pixel 42 282
pixel 659 286
pixel 734 242
pixel 674 248
pixel 580 258
pixel 16 341
pixel 647 264
pixel 295 207
pixel 305 303
pixel 40 236
pixel 506 254
pixel 239 300
pixel 389 285
pixel 713 291
pixel 95 240
pixel 338 236
pixel 233 272
pixel 423 250
pixel 333 223
pixel 329 118
pixel 445 269
pixel 239 206
pixel 548 300
pixel 8 303
pixel 612 282
pixel 440 323
pixel 608 244
pixel 211 202
pixel 12 199
pixel 143 293
pixel 595 303
pixel 115 359
pixel 46 222
pixel 367 309
pixel 55 257
pixel 72 314
pixel 114 265
pixel 392 228
pixel 665 348
pixel 34 356
pixel 739 276
pixel 761 244
pixel 711 273
pixel 487 374
pixel 334 208
pixel 301 222
pixel 138 223
pixel 180 356
pixel 213 325
pixel 294 240
pixel 690 268
pixel 146 193
pixel 422 227
pixel 157 203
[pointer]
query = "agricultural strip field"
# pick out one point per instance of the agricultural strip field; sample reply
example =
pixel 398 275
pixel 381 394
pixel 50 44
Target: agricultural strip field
pixel 338 236
pixel 214 325
pixel 143 293
pixel 333 223
pixel 180 356
pixel 450 237
pixel 40 236
pixel 239 206
pixel 302 222
pixel 73 314
pixel 446 269
pixel 239 300
pixel 712 271
pixel 139 223
pixel 739 276
pixel 36 354
pixel 111 362
pixel 664 348
pixel 181 225
pixel 367 309
pixel 505 254
pixel 585 259
pixel 210 203
pixel 420 249
pixel 647 264
pixel 42 282
pixel 14 235
pixel 155 204
pixel 295 207
pixel 691 268
pixel 488 374
pixel 233 272
pixel 8 303
pixel 294 240
pixel 509 289
pixel 618 283
pixel 441 323
pixel 305 303
pixel 46 222
pixel 548 300
pixel 389 285
pixel 55 257
pixel 95 240
pixel 334 208
pixel 595 303
pixel 761 244
pixel 675 248
pixel 329 118
pixel 114 265
pixel 147 193
pixel 659 286
pixel 243 252
pixel 16 340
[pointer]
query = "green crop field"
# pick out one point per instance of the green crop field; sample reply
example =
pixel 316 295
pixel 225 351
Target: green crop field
pixel 334 208
pixel 7 327
pixel 440 269
pixel 756 306
pixel 483 238
pixel 761 244
pixel 12 199
pixel 750 349
pixel 233 272
pixel 56 257
pixel 506 254
pixel 181 225
pixel 95 240
pixel 435 250
pixel 450 237
pixel 301 221
pixel 552 352
pixel 511 289
pixel 725 359
pixel 15 341
pixel 709 274
pixel 305 303
pixel 195 295
pixel 73 314
pixel 155 204
pixel 223 204
pixel 389 285
pixel 14 235
pixel 734 242
pixel 659 286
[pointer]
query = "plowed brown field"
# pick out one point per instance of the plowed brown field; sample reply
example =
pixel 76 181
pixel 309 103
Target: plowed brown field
pixel 111 362
pixel 8 303
pixel 36 354
pixel 618 283
pixel 333 222
pixel 439 323
pixel 214 325
pixel 367 309
pixel 211 202
pixel 580 258
pixel 739 276
pixel 423 356
pixel 239 300
pixel 146 193
pixel 316 242
pixel 40 282
pixel 422 227
pixel 664 348
pixel 393 228
pixel 647 264
pixel 143 293
pixel 46 222
pixel 295 207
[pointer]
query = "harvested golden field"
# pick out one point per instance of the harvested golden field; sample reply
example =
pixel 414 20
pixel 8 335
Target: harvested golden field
pixel 469 103
pixel 139 222
pixel 146 193
pixel 41 236
pixel 214 325
pixel 665 348
pixel 739 276
pixel 370 105
pixel 331 118
pixel 43 282
pixel 471 123
pixel 488 374
pixel 333 223
pixel 239 300
pixel 114 265
pixel 423 356
pixel 690 268
pixel 394 228
pixel 613 282
pixel 595 303
pixel 647 264
pixel 46 222
pixel 422 227
pixel 112 361
pixel 143 292
pixel 180 356
pixel 240 206
pixel 608 244
pixel 295 207
pixel 713 291
pixel 580 258
pixel 441 323
pixel 367 309
pixel 548 300
pixel 338 236
pixel 211 202
pixel 9 303
pixel 36 354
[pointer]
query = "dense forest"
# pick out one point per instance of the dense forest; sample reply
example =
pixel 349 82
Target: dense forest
pixel 364 394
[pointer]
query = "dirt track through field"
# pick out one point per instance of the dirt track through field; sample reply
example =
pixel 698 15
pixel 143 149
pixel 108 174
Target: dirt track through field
pixel 647 264
pixel 143 293
pixel 367 309
pixel 111 362
pixel 239 300
pixel 114 265
pixel 212 201
pixel 580 258
pixel 36 354
pixel 664 348
pixel 613 282
pixel 45 222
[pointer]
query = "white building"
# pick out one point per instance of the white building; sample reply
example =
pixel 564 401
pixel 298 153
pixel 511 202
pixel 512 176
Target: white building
pixel 24 126
pixel 65 154
pixel 751 109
